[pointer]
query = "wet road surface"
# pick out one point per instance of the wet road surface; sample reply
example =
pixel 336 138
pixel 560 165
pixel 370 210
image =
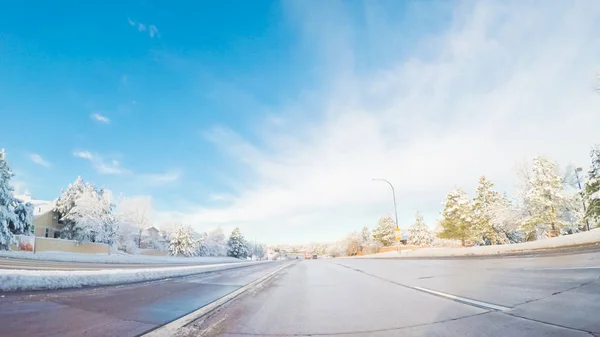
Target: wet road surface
pixel 556 295
pixel 126 310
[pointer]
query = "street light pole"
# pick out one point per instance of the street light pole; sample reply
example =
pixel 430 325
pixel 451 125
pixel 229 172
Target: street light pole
pixel 587 221
pixel 395 207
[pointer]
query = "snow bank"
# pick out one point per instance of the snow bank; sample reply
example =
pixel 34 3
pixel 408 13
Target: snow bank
pixel 584 238
pixel 116 258
pixel 13 280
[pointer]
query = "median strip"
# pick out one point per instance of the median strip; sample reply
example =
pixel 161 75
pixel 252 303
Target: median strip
pixel 22 280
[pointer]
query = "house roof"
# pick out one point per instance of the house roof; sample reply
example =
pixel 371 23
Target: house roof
pixel 40 207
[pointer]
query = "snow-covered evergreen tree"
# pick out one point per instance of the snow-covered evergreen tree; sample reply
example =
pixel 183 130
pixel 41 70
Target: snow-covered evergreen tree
pixel 182 242
pixel 484 231
pixel 15 216
pixel 66 202
pixel 592 188
pixel 236 245
pixel 384 233
pixel 545 200
pixel 366 242
pixel 458 217
pixel 419 234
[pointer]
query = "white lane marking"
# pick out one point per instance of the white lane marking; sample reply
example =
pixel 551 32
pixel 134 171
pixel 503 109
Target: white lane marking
pixel 569 268
pixel 171 328
pixel 463 299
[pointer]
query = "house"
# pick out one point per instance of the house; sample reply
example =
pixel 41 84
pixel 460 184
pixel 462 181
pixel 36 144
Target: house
pixel 45 219
pixel 152 239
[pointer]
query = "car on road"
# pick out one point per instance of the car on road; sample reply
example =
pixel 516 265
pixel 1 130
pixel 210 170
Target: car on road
pixel 314 256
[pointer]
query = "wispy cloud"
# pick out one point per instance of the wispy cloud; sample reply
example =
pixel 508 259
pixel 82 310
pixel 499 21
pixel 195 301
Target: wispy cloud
pixel 162 178
pixel 100 118
pixel 101 165
pixel 36 158
pixel 142 27
pixel 503 82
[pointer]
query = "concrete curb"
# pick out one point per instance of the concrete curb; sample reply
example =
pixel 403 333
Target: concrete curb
pixel 171 328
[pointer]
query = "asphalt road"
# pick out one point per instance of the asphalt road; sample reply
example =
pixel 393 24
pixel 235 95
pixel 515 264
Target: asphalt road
pixel 28 264
pixel 126 310
pixel 556 295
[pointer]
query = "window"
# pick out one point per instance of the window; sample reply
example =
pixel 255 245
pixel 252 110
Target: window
pixel 46 232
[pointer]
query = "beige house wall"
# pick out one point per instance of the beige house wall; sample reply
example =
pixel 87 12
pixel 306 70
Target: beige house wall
pixel 48 220
pixel 60 245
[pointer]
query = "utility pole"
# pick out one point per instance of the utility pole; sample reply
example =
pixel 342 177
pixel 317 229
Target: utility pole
pixel 395 209
pixel 587 221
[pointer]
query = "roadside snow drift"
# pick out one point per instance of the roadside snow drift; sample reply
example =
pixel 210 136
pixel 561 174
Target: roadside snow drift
pixel 580 239
pixel 13 280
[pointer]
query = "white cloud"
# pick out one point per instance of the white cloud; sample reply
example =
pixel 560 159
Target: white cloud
pixel 36 158
pixel 152 31
pixel 142 27
pixel 112 167
pixel 161 178
pixel 100 118
pixel 506 81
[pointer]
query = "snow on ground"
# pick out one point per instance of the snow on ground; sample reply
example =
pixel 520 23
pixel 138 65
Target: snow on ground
pixel 584 238
pixel 20 280
pixel 115 258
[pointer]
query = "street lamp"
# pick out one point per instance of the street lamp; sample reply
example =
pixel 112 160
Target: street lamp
pixel 395 207
pixel 587 221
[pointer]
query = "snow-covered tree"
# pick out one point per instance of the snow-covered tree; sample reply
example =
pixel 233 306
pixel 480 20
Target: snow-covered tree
pixel 15 216
pixel 367 244
pixel 92 216
pixel 352 244
pixel 384 233
pixel 138 212
pixel 419 234
pixel 236 245
pixel 592 188
pixel 457 222
pixel 182 243
pixel 544 199
pixel 66 202
pixel 484 231
pixel 214 244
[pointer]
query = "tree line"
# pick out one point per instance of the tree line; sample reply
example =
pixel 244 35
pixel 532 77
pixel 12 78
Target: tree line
pixel 548 202
pixel 92 214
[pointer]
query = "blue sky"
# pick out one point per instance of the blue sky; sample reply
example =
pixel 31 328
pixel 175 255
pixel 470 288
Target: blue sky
pixel 274 116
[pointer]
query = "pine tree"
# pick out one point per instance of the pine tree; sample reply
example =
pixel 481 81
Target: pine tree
pixel 545 200
pixel 182 242
pixel 592 188
pixel 366 242
pixel 15 216
pixel 236 245
pixel 484 231
pixel 384 233
pixel 419 234
pixel 458 217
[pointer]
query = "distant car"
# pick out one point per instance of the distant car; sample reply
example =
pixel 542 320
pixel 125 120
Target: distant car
pixel 314 256
pixel 307 256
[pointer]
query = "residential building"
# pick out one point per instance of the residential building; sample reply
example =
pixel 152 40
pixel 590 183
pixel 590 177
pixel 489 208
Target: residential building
pixel 45 219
